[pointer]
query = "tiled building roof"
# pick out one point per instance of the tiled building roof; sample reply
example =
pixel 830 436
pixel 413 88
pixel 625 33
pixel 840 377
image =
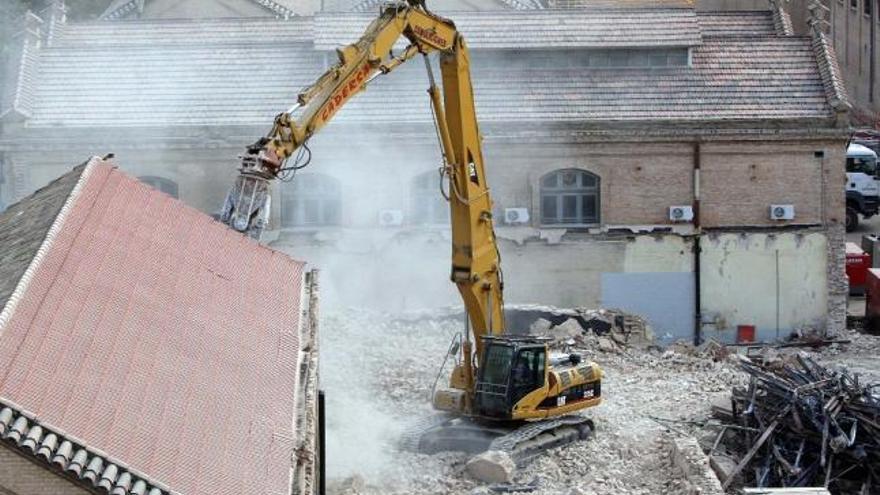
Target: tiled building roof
pixel 590 28
pixel 110 35
pixel 149 346
pixel 122 9
pixel 748 79
pixel 180 73
pixel 20 240
pixel 152 84
pixel 726 24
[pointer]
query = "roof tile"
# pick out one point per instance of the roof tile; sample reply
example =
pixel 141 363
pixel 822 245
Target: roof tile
pixel 126 336
pixel 582 28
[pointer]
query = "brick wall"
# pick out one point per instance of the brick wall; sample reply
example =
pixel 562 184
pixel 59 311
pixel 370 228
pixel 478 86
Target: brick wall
pixel 20 476
pixel 740 181
pixel 639 181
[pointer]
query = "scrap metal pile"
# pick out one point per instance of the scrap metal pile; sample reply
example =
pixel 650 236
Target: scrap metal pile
pixel 800 424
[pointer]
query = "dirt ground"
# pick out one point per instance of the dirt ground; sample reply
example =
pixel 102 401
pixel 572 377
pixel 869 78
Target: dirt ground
pixel 378 370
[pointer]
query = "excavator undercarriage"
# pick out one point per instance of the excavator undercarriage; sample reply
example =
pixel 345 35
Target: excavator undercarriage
pixel 521 440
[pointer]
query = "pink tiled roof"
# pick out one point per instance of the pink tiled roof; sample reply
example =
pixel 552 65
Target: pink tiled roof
pixel 150 332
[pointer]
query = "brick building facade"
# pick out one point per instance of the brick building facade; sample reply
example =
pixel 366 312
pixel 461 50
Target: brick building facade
pixel 596 121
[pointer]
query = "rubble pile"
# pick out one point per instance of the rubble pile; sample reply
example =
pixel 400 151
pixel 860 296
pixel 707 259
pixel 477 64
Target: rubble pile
pixel 378 371
pixel 608 330
pixel 799 424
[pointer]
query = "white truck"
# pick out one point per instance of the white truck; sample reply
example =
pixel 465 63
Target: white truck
pixel 862 184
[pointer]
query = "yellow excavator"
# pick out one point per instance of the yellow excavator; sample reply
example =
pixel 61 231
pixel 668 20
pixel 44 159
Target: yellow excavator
pixel 506 392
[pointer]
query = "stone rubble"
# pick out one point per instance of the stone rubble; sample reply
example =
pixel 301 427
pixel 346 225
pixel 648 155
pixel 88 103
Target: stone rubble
pixel 378 372
pixel 491 467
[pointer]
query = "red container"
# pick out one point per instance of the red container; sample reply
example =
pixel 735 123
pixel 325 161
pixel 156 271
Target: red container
pixel 857 264
pixel 872 300
pixel 745 333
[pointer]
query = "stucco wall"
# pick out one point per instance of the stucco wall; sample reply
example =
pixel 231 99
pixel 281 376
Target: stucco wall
pixel 775 282
pixel 406 271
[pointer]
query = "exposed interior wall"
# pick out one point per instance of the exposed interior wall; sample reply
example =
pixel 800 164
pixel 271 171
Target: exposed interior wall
pixel 411 271
pixel 776 282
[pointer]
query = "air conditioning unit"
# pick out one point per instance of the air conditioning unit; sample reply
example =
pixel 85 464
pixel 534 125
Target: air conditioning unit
pixel 681 213
pixel 390 218
pixel 781 212
pixel 516 216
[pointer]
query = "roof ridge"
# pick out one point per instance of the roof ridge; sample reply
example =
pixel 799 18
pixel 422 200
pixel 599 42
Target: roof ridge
pixel 829 71
pixel 45 246
pixel 781 19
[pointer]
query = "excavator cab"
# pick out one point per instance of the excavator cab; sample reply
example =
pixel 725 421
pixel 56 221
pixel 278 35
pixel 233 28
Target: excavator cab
pixel 511 369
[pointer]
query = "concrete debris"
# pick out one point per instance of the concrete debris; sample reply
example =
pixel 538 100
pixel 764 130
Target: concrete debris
pixel 514 487
pixel 382 365
pixel 567 330
pixel 540 328
pixel 723 465
pixel 351 485
pixel 714 350
pixel 786 491
pixel 608 345
pixel 689 459
pixel 491 467
pixel 599 323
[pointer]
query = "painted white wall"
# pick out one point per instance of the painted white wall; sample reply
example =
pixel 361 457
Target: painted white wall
pixel 740 273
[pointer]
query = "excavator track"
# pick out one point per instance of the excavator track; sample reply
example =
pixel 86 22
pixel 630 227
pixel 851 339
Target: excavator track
pixel 522 442
pixel 528 441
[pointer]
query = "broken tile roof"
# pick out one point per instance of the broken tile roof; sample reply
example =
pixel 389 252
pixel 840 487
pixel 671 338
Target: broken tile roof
pixel 138 330
pixel 582 28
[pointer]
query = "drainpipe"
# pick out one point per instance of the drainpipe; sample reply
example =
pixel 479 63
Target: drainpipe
pixel 698 312
pixel 322 445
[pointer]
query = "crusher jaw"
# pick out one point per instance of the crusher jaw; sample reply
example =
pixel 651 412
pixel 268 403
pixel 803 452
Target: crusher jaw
pixel 247 205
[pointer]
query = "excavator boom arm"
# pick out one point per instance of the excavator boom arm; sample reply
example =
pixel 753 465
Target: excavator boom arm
pixel 476 267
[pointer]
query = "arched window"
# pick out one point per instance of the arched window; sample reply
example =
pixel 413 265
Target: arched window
pixel 311 200
pixel 167 186
pixel 569 197
pixel 428 204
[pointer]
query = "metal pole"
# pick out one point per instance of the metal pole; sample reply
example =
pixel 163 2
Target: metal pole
pixel 322 449
pixel 777 294
pixel 698 310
